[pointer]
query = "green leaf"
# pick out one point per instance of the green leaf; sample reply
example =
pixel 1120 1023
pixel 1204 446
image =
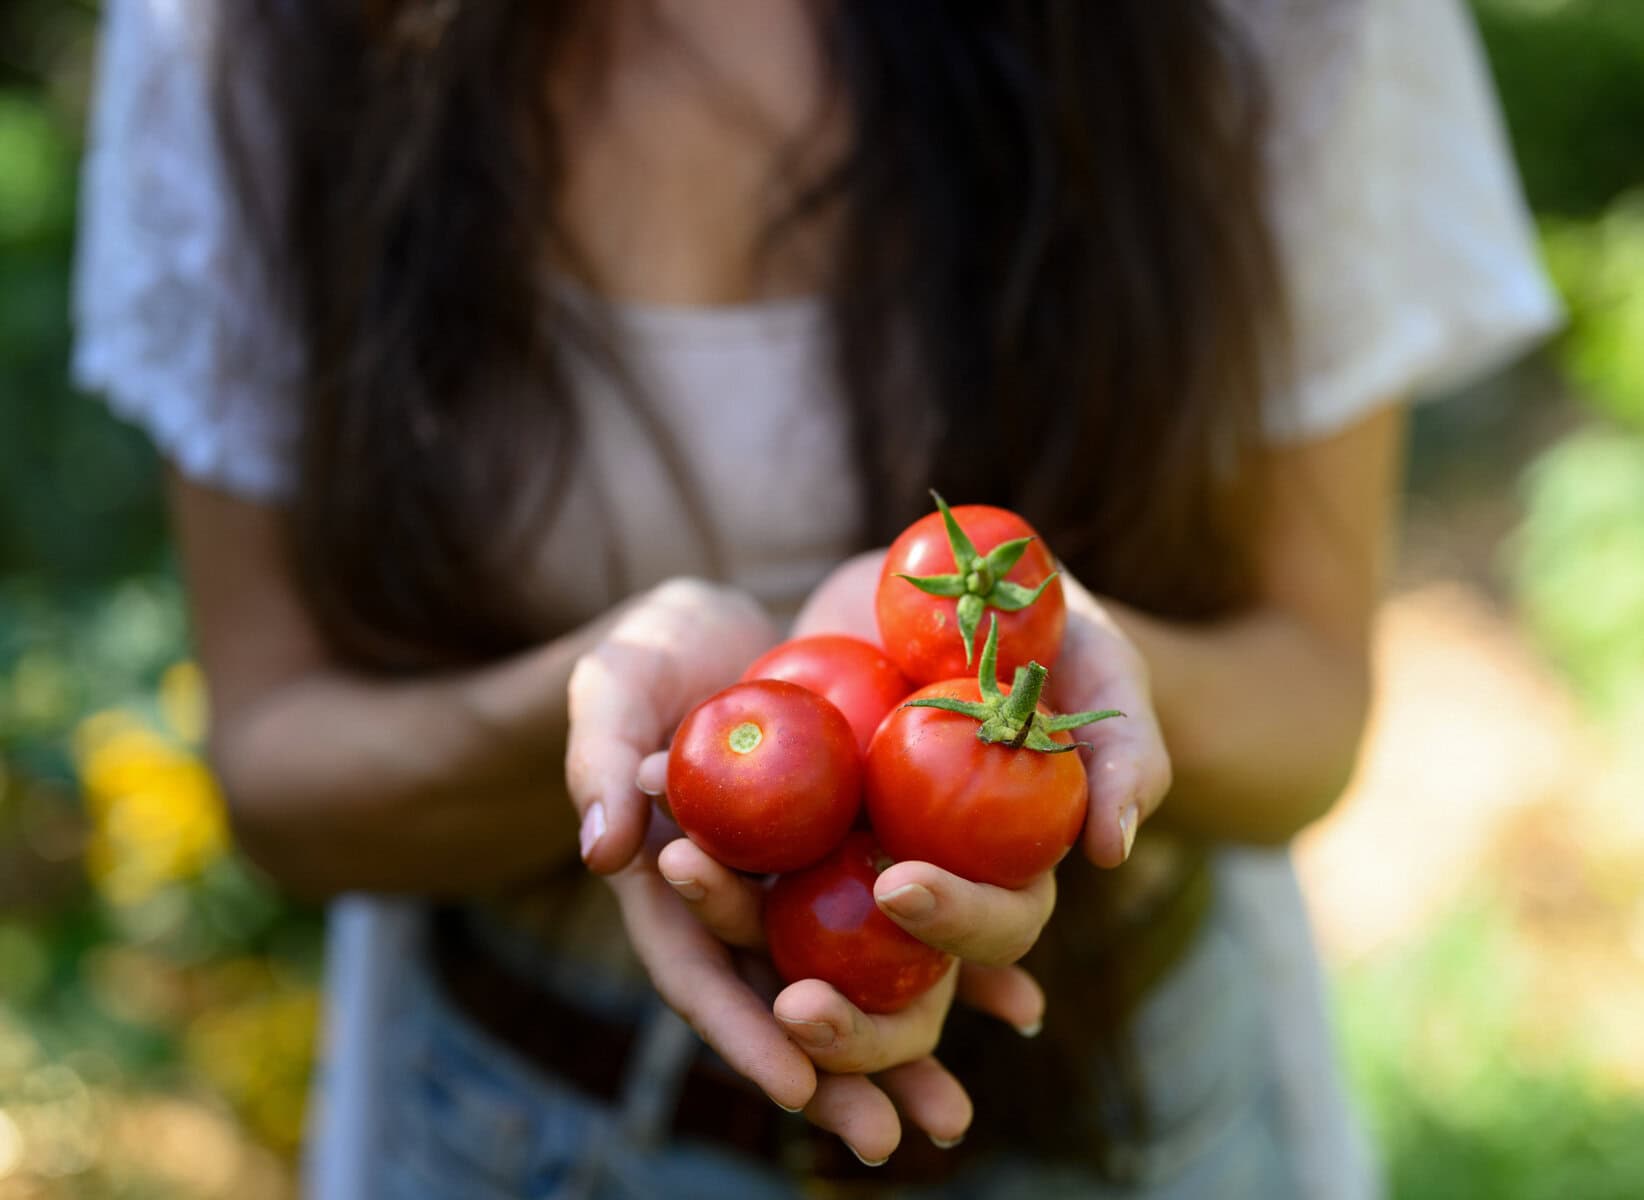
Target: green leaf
pixel 937 585
pixel 1006 555
pixel 1077 720
pixel 1038 739
pixel 966 708
pixel 1013 597
pixel 971 607
pixel 964 551
pixel 987 672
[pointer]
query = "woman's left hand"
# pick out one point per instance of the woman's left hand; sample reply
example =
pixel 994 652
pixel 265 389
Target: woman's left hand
pixel 1099 668
pixel 1126 763
pixel 989 928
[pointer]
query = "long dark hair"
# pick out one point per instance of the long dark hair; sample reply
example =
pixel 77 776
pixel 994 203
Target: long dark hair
pixel 1054 288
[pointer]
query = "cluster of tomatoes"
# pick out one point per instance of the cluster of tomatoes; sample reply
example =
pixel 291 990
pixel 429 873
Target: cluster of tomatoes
pixel 771 775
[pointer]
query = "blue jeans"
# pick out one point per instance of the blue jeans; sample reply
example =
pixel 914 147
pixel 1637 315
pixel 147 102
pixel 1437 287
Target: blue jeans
pixel 468 1118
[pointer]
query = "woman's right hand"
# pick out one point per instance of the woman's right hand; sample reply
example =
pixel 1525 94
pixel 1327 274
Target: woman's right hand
pixel 671 648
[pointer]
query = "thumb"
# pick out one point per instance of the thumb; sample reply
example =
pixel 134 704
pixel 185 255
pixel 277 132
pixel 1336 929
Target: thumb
pixel 615 723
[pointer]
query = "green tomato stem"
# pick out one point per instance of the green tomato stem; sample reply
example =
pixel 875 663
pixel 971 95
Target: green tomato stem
pixel 1013 720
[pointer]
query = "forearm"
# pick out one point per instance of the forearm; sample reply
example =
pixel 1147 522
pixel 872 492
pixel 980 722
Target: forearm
pixel 437 786
pixel 1262 716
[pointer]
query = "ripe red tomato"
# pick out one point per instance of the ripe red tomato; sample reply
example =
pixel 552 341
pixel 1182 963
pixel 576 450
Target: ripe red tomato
pixel 992 813
pixel 822 923
pixel 765 776
pixel 922 632
pixel 854 676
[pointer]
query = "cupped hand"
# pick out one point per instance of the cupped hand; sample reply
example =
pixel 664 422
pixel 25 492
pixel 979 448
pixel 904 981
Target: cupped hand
pixel 671 648
pixel 876 1066
pixel 699 976
pixel 843 602
pixel 1125 760
pixel 986 928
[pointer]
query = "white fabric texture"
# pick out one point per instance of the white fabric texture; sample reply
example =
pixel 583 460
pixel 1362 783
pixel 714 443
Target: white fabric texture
pixel 744 394
pixel 1405 245
pixel 170 313
pixel 1405 248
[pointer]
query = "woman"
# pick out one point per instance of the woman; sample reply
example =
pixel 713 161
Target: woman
pixel 478 334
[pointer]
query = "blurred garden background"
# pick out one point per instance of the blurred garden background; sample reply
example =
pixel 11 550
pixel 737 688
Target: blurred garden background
pixel 1480 893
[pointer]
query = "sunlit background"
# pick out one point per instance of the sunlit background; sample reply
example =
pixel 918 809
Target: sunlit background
pixel 1480 893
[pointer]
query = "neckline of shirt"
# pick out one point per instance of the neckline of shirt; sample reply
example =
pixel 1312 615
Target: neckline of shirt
pixel 755 321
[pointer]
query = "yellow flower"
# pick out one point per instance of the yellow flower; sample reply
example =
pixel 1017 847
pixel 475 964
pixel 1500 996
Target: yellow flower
pixel 157 814
pixel 183 701
pixel 257 1053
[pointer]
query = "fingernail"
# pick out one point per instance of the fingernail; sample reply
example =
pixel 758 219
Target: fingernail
pixel 649 791
pixel 946 1143
pixel 688 889
pixel 1031 1030
pixel 593 828
pixel 868 1162
pixel 816 1034
pixel 1127 827
pixel 783 1106
pixel 911 901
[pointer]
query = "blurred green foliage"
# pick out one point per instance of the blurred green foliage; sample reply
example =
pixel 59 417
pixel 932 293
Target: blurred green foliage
pixel 1572 75
pixel 1463 1104
pixel 1568 74
pixel 137 956
pixel 79 506
pixel 1597 265
pixel 78 502
pixel 1579 563
pixel 1462 1107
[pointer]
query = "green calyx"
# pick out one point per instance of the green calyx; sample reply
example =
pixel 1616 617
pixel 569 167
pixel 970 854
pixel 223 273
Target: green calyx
pixel 1015 719
pixel 979 583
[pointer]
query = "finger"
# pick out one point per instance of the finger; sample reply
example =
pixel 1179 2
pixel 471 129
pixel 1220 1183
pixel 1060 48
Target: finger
pixel 863 1116
pixel 927 1095
pixel 975 921
pixel 841 1038
pixel 652 776
pixel 843 602
pixel 1127 762
pixel 683 641
pixel 613 696
pixel 692 972
pixel 727 904
pixel 1008 993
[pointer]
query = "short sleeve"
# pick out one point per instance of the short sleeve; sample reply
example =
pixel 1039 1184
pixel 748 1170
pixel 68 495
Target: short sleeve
pixel 1406 250
pixel 173 320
